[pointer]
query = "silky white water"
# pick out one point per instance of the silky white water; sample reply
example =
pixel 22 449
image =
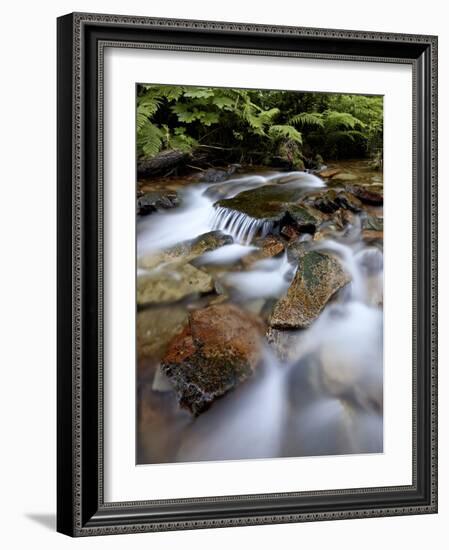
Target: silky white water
pixel 324 393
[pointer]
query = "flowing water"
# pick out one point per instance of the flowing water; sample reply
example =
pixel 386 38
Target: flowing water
pixel 318 391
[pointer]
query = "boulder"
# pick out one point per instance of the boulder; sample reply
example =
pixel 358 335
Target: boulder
pixel 218 350
pixel 216 175
pixel 277 204
pixel 318 278
pixel 156 200
pixel 297 250
pixel 186 251
pixel 372 194
pixel 332 200
pixel 171 283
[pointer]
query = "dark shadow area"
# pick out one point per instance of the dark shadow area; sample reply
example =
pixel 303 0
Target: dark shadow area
pixel 46 520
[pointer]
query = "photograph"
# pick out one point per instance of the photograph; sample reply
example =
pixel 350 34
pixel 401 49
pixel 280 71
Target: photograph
pixel 259 274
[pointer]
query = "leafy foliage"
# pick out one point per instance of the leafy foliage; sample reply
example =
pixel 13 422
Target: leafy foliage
pixel 258 125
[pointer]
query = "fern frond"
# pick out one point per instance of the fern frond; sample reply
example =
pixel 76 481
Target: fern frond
pixel 307 119
pixel 335 119
pixel 149 139
pixel 148 105
pixel 285 131
pixel 198 93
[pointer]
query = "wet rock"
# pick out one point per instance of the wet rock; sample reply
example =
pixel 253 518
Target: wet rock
pixel 345 176
pixel 303 217
pixel 277 204
pixel 332 200
pixel 156 200
pixel 329 173
pixel 329 229
pixel 218 350
pixel 372 194
pixel 172 283
pixel 372 229
pixel 156 327
pixel 186 251
pixel 213 175
pixel 373 223
pixel 372 236
pixel 342 218
pixel 347 201
pixel 270 246
pixel 318 278
pixel 325 202
pixel 290 232
pixel 297 250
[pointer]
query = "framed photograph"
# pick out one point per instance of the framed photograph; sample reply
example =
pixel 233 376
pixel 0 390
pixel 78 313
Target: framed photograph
pixel 247 279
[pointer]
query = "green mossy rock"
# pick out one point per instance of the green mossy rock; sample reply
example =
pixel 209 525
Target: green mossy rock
pixel 277 204
pixel 318 278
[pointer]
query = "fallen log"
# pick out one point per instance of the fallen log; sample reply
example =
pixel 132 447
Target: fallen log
pixel 162 163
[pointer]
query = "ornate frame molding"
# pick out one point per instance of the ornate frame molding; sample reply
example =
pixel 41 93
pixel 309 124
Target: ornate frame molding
pixel 83 512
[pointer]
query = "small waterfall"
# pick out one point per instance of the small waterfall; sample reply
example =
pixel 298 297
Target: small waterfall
pixel 243 228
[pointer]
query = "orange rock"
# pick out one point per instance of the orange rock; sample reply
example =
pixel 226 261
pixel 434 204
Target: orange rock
pixel 218 350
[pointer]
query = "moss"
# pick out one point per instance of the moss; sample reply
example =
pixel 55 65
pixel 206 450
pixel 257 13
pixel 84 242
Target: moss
pixel 312 268
pixel 278 204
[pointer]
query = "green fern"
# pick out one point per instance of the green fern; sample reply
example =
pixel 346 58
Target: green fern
pixel 180 140
pixel 197 93
pixel 335 119
pixel 307 119
pixel 285 131
pixel 149 139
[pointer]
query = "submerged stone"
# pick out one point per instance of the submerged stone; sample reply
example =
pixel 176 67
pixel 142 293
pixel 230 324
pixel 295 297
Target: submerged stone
pixel 318 278
pixel 156 327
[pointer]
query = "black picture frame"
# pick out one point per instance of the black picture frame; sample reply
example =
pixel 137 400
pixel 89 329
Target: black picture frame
pixel 81 509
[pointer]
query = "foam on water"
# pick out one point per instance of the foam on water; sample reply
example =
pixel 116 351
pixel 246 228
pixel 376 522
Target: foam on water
pixel 268 278
pixel 226 254
pixel 169 227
